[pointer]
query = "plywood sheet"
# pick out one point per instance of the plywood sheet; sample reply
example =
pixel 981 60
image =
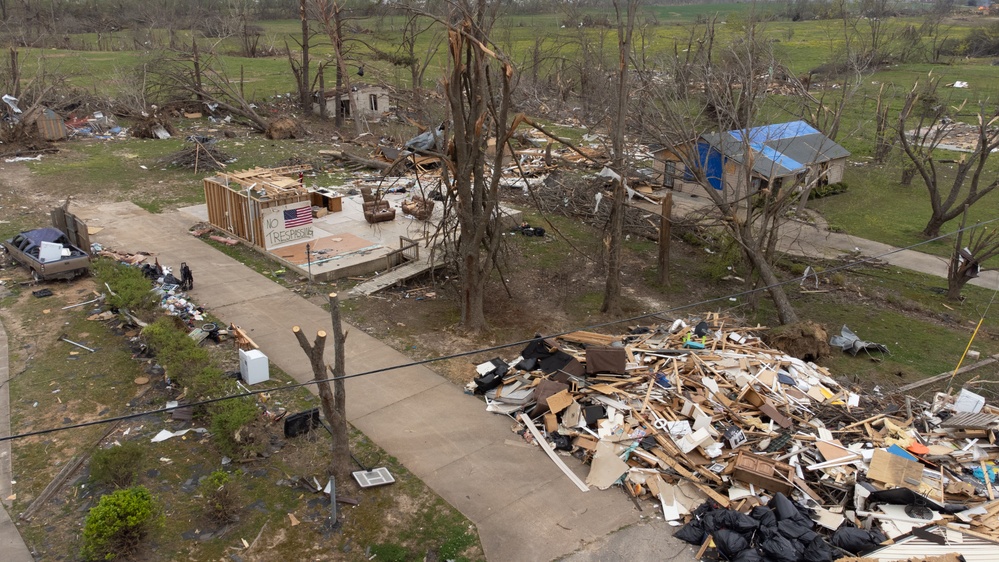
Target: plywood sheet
pixel 895 470
pixel 323 249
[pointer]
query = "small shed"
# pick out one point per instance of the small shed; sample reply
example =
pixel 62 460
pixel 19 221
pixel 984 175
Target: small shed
pixel 267 207
pixel 781 155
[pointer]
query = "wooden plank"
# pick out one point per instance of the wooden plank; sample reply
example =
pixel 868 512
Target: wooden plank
pixel 551 454
pixel 988 479
pixel 590 338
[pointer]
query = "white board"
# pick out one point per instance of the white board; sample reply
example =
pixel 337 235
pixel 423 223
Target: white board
pixel 281 228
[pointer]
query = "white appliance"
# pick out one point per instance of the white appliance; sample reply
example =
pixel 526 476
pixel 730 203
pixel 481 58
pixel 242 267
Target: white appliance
pixel 49 251
pixel 253 366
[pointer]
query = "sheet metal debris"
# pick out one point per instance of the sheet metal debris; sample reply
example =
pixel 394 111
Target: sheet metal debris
pixel 751 449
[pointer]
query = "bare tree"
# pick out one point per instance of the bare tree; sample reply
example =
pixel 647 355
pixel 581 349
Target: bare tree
pixel 478 87
pixel 301 67
pixel 184 76
pixel 625 18
pixel 414 27
pixel 331 15
pixel 968 259
pixel 707 87
pixel 923 131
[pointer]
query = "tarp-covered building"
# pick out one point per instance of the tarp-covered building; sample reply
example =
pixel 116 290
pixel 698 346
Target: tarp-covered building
pixel 774 157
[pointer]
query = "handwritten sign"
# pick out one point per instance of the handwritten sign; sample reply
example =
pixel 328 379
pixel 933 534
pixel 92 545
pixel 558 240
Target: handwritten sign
pixel 276 232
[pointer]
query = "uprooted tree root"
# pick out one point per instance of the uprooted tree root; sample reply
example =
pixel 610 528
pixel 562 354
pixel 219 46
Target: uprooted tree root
pixel 807 341
pixel 284 128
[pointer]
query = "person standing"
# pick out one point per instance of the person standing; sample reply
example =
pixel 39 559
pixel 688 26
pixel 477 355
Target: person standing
pixel 186 277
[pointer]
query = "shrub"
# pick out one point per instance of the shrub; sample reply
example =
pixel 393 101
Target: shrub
pixel 116 525
pixel 130 287
pixel 820 191
pixel 221 496
pixel 182 357
pixel 117 466
pixel 227 418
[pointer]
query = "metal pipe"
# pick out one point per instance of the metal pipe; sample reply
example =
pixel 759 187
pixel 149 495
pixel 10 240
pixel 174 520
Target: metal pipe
pixel 63 338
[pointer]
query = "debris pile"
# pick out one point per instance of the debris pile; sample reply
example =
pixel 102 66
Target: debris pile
pixel 752 448
pixel 201 155
pixel 153 126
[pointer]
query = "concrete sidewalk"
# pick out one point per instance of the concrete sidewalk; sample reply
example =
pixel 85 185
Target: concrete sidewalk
pixel 523 506
pixel 814 240
pixel 11 544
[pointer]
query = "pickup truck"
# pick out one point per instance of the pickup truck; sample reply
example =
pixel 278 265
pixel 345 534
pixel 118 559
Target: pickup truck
pixel 48 254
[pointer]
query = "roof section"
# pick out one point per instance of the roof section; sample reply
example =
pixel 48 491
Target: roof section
pixel 778 150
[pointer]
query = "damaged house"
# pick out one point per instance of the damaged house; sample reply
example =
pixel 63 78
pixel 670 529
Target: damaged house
pixel 364 100
pixel 777 156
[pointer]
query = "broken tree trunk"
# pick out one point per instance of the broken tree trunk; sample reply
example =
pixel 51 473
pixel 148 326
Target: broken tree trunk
pixel 341 443
pixel 315 353
pixel 665 224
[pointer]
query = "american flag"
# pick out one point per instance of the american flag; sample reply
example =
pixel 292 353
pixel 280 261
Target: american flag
pixel 297 217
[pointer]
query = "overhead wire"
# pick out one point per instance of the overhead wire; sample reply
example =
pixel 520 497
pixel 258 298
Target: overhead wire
pixel 492 348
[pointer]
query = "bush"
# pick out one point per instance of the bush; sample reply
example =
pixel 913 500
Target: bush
pixel 221 497
pixel 820 191
pixel 184 360
pixel 131 288
pixel 227 418
pixel 116 525
pixel 117 466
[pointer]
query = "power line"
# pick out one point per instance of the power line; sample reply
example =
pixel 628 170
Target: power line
pixel 484 349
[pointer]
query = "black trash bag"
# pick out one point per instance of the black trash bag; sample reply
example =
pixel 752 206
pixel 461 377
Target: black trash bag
pixel 788 510
pixel 528 364
pixel 692 532
pixel 765 516
pixel 794 531
pixel 749 555
pixel 729 543
pixel 818 550
pixel 738 522
pixel 905 496
pixel 781 549
pixel 702 329
pixel 855 541
pixel 562 442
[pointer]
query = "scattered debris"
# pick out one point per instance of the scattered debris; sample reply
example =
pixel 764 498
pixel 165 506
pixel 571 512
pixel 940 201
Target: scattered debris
pixel 754 449
pixel 201 155
pixel 850 343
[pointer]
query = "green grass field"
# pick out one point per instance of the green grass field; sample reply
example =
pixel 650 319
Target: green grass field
pixel 875 206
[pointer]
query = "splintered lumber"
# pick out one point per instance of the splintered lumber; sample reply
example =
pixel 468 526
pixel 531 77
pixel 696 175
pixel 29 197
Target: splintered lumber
pixel 590 338
pixel 551 454
pixel 674 452
pixel 241 338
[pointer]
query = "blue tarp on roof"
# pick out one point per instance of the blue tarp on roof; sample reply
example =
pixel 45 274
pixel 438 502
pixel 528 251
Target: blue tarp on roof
pixel 777 131
pixel 778 150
